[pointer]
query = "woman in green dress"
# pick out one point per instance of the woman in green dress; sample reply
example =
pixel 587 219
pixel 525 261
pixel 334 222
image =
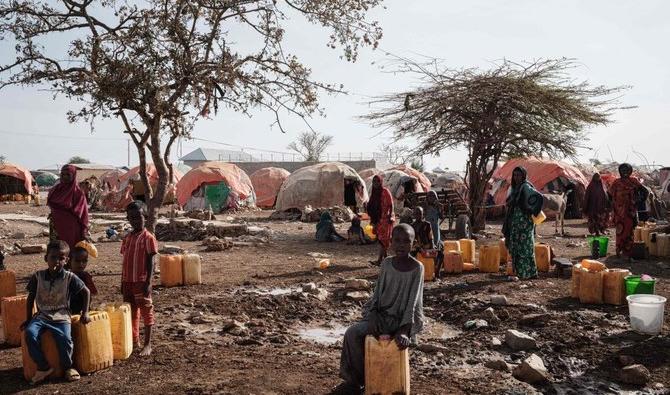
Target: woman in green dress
pixel 522 203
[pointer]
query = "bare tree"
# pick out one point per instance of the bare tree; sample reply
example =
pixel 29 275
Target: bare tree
pixel 311 145
pixel 510 110
pixel 158 66
pixel 396 154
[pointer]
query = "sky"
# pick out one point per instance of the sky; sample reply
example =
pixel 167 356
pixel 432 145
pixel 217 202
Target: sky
pixel 616 42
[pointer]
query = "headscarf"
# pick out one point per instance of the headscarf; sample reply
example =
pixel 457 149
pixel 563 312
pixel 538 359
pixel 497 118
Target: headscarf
pixel 374 207
pixel 625 168
pixel 595 200
pixel 515 190
pixel 69 197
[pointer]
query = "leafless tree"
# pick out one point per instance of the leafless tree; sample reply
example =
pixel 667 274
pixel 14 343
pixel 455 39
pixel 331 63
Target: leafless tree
pixel 158 66
pixel 311 145
pixel 396 154
pixel 510 110
pixel 78 160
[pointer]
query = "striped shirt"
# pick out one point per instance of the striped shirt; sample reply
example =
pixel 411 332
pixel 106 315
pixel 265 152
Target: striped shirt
pixel 136 247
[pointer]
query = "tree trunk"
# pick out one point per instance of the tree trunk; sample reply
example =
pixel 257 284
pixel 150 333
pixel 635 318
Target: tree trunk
pixel 156 202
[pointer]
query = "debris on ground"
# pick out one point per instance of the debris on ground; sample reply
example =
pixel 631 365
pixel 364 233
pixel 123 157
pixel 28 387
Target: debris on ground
pixel 338 214
pixel 519 341
pixel 194 230
pixel 531 370
pixel 635 374
pixel 214 244
pixel 33 248
pixel 357 284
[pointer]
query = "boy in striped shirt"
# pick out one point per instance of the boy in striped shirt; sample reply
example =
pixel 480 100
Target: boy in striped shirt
pixel 139 248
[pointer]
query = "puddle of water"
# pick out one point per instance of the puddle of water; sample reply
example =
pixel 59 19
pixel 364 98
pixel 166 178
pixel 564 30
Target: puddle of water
pixel 436 330
pixel 323 335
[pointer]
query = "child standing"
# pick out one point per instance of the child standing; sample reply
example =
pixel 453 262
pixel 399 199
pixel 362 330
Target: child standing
pixel 139 248
pixel 395 309
pixel 78 264
pixel 52 291
pixel 423 233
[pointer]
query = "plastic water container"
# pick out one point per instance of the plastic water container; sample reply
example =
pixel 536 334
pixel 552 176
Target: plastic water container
pixel 7 283
pixel 13 315
pixel 635 285
pixel 603 242
pixel 192 269
pixel 171 270
pixel 428 266
pixel 386 367
pixel 489 259
pixel 646 313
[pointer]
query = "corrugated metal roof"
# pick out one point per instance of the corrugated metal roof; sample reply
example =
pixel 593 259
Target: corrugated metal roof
pixel 207 154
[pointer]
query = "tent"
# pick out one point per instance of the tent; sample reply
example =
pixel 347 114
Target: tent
pixel 423 180
pixel 547 176
pixel 320 185
pixel 131 188
pixel 220 185
pixel 45 179
pixel 449 180
pixel 15 180
pixel 111 180
pixel 267 182
pixel 369 173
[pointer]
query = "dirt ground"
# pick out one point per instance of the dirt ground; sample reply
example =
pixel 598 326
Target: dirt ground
pixel 290 343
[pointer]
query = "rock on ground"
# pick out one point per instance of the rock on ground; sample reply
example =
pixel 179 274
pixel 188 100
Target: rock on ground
pixel 497 363
pixel 357 284
pixel 635 374
pixel 499 300
pixel 358 295
pixel 531 370
pixel 534 319
pixel 519 341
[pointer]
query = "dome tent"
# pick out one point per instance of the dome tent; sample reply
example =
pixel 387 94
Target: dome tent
pixel 267 182
pixel 46 179
pixel 320 185
pixel 131 188
pixel 15 180
pixel 424 182
pixel 217 184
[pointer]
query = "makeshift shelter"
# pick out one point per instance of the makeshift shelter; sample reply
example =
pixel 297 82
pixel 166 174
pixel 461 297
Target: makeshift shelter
pixel 449 180
pixel 423 180
pixel 217 184
pixel 45 179
pixel 547 176
pixel 111 180
pixel 131 188
pixel 369 173
pixel 267 182
pixel 321 185
pixel 15 182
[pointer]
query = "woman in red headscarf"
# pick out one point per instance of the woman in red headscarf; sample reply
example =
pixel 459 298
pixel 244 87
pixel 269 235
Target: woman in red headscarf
pixel 625 210
pixel 69 210
pixel 380 210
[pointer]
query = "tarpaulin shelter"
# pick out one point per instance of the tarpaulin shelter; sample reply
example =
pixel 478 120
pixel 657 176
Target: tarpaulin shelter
pixel 44 178
pixel 111 180
pixel 132 188
pixel 423 180
pixel 15 180
pixel 369 173
pixel 320 185
pixel 449 180
pixel 547 176
pixel 220 185
pixel 267 182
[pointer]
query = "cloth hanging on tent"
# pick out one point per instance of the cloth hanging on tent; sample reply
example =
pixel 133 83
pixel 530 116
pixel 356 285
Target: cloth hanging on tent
pixel 216 195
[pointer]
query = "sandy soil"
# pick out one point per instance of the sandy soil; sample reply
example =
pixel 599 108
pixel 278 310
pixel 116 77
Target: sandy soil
pixel 258 286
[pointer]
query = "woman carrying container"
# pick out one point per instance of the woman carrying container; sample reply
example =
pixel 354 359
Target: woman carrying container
pixel 522 203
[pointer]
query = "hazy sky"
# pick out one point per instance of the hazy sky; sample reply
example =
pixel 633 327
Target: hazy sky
pixel 617 42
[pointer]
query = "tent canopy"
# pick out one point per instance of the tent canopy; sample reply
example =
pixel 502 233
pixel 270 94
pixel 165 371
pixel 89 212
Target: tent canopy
pixel 319 185
pixel 541 173
pixel 113 178
pixel 423 180
pixel 22 175
pixel 267 182
pixel 369 173
pixel 210 173
pixel 152 174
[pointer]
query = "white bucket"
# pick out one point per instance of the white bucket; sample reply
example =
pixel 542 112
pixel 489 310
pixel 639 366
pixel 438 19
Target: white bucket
pixel 646 313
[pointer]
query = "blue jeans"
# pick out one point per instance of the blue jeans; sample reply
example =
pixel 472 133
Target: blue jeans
pixel 62 334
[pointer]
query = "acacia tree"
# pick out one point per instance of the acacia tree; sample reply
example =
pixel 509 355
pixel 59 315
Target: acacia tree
pixel 510 110
pixel 78 160
pixel 158 66
pixel 311 145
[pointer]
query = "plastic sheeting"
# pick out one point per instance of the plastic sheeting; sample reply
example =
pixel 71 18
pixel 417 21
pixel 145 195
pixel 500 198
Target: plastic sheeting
pixel 320 185
pixel 210 173
pixel 152 174
pixel 15 171
pixel 267 182
pixel 423 180
pixel 541 173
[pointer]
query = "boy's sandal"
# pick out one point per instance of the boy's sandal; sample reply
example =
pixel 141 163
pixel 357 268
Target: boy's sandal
pixel 72 375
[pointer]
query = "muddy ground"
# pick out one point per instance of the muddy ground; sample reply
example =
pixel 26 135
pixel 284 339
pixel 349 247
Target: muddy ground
pixel 290 340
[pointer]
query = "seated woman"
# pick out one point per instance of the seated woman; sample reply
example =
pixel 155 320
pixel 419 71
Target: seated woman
pixel 325 229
